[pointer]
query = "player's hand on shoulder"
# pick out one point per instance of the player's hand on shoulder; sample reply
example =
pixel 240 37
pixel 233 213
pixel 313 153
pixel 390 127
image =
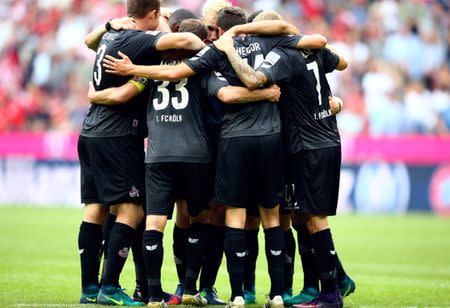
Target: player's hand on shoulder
pixel 274 93
pixel 123 23
pixel 224 42
pixel 118 66
pixel 336 104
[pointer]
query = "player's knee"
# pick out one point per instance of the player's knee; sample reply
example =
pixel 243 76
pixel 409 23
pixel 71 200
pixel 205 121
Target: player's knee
pixel 155 222
pixel 285 222
pixel 130 214
pixel 317 223
pixel 95 213
pixel 235 217
pixel 216 216
pixel 182 216
pixel 270 218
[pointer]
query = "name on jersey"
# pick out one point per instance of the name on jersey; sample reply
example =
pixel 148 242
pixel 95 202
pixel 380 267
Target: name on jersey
pixel 110 36
pixel 323 114
pixel 169 118
pixel 245 51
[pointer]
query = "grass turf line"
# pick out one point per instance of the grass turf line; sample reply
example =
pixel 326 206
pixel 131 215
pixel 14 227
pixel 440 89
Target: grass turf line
pixel 395 261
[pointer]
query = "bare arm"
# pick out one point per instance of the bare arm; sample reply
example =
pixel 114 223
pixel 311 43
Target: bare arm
pixel 269 27
pixel 93 39
pixel 182 40
pixel 125 67
pixel 343 64
pixel 241 95
pixel 313 41
pixel 248 75
pixel 116 95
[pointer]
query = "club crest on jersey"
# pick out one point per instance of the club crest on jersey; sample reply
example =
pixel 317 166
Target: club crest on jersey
pixel 134 192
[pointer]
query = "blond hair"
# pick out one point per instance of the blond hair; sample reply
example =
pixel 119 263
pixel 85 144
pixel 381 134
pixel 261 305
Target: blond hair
pixel 212 7
pixel 267 15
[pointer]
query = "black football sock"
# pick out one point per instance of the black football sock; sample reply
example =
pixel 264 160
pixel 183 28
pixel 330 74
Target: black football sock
pixel 120 241
pixel 213 256
pixel 310 276
pixel 138 259
pixel 289 257
pixel 251 243
pixel 325 255
pixel 341 274
pixel 153 258
pixel 275 259
pixel 196 244
pixel 89 247
pixel 106 232
pixel 234 246
pixel 179 251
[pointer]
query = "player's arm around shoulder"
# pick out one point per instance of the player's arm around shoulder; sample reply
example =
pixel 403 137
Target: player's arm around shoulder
pixel 181 40
pixel 241 95
pixel 93 39
pixel 312 41
pixel 343 63
pixel 117 95
pixel 266 27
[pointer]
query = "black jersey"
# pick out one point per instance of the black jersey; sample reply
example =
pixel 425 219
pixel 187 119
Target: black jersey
pixel 304 104
pixel 253 119
pixel 176 122
pixel 128 118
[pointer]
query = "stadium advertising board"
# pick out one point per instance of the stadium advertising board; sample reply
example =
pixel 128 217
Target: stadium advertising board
pixel 378 175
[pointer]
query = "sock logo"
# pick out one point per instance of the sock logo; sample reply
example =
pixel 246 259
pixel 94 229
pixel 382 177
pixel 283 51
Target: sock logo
pixel 123 252
pixel 151 248
pixel 275 252
pixel 241 254
pixel 81 251
pixel 333 252
pixel 192 240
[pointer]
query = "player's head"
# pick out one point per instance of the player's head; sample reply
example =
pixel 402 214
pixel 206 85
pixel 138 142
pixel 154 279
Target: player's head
pixel 195 26
pixel 253 15
pixel 267 15
pixel 209 14
pixel 145 12
pixel 230 17
pixel 178 17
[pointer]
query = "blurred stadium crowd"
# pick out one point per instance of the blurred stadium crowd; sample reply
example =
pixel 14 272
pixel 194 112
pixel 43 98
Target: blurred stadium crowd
pixel 398 81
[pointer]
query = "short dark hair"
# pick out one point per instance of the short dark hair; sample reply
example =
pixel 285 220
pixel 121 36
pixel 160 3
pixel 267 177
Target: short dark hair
pixel 140 8
pixel 195 26
pixel 230 16
pixel 178 17
pixel 253 15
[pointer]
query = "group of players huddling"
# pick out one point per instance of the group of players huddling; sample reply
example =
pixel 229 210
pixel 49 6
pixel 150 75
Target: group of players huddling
pixel 240 132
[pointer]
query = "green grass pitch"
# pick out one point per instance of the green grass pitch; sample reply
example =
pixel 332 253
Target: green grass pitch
pixel 395 261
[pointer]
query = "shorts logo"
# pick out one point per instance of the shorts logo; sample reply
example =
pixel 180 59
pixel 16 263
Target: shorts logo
pixel 123 252
pixel 192 240
pixel 275 252
pixel 134 192
pixel 287 259
pixel 81 251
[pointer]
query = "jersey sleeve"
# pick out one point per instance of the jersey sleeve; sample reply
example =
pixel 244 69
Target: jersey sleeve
pixel 286 41
pixel 330 60
pixel 214 82
pixel 276 66
pixel 145 42
pixel 206 60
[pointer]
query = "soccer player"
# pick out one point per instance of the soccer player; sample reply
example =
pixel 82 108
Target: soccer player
pixel 313 145
pixel 210 10
pixel 184 163
pixel 107 178
pixel 249 143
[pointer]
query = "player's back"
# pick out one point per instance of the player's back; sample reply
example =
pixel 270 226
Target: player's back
pixel 304 104
pixel 252 119
pixel 128 118
pixel 176 123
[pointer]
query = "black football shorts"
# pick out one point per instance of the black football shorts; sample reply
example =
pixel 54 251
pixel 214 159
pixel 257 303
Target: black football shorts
pixel 249 171
pixel 316 176
pixel 112 169
pixel 169 181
